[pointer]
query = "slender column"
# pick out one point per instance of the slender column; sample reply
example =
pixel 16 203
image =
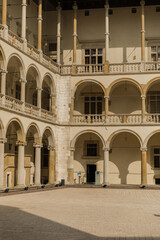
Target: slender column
pixel 71 166
pixel 39 92
pixel 51 164
pixel 143 107
pixel 106 106
pixel 72 109
pixel 106 65
pixel 40 25
pixel 142 31
pixel 74 37
pixel 2 141
pixel 21 173
pixel 37 164
pixel 59 33
pixel 106 166
pixel 144 166
pixel 3 85
pixel 4 12
pixel 23 84
pixel 23 29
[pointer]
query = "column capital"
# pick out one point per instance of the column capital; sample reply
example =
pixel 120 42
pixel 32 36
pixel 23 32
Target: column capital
pixel 40 18
pixel 106 4
pixel 143 96
pixel 59 8
pixel 72 149
pixel 142 2
pixel 20 143
pixel 24 4
pixel 75 7
pixel 37 145
pixel 51 148
pixel 39 89
pixel 22 80
pixel 3 140
pixel 107 149
pixel 3 71
pixel 143 149
pixel 75 34
pixel 108 97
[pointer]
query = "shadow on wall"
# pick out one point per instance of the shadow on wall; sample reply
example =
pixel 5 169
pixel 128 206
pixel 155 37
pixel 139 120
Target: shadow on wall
pixel 17 224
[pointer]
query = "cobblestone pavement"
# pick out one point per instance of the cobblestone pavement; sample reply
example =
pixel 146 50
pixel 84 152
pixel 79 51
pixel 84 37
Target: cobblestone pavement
pixel 81 214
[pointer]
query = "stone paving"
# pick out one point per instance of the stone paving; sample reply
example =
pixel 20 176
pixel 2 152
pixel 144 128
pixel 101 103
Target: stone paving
pixel 81 214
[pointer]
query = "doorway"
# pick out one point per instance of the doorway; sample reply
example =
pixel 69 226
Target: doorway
pixel 91 169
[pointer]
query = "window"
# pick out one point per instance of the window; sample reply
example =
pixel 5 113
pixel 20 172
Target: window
pixel 153 100
pixel 93 105
pixel 52 47
pixel 94 56
pixel 91 149
pixel 45 157
pixel 155 53
pixel 157 181
pixel 156 157
pixel 134 10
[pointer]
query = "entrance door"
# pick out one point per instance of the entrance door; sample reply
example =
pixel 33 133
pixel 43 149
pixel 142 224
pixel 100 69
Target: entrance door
pixel 91 169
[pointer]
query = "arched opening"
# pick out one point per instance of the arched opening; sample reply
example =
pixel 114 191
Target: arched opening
pixel 2 64
pixel 125 101
pixel 153 159
pixel 88 159
pixel 31 86
pixel 46 93
pixel 125 159
pixel 32 138
pixel 47 168
pixel 13 78
pixel 153 98
pixel 89 102
pixel 13 154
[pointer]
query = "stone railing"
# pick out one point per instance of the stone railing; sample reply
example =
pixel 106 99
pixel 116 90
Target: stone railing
pixel 124 118
pixel 66 69
pixel 31 109
pixel 15 40
pixel 13 103
pixel 89 118
pixel 46 115
pixel 90 68
pixel 33 52
pixel 1 30
pixel 152 118
pixel 124 67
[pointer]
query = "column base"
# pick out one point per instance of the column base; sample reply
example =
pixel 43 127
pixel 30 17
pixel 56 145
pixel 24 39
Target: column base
pixel 106 67
pixel 20 186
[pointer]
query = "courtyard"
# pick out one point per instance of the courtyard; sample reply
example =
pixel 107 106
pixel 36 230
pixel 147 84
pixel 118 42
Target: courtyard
pixel 81 214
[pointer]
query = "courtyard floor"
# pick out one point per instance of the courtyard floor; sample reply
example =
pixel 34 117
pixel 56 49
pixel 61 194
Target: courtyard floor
pixel 81 214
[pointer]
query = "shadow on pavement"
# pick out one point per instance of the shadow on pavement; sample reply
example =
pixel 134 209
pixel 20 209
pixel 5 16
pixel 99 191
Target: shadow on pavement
pixel 16 224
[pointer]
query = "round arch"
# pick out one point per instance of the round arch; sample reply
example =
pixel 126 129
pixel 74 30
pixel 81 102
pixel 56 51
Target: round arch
pixel 130 80
pixel 2 133
pixel 150 83
pixel 3 59
pixel 113 135
pixel 53 85
pixel 149 137
pixel 38 79
pixel 36 132
pixel 22 71
pixel 72 145
pixel 50 135
pixel 20 131
pixel 86 81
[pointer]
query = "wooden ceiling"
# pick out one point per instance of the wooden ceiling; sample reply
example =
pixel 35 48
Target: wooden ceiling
pixel 50 5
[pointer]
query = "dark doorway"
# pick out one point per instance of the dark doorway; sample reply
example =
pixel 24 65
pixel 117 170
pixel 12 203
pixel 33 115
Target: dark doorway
pixel 91 169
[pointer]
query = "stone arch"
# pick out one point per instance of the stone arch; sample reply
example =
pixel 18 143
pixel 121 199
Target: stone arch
pixel 48 92
pixel 72 145
pixel 150 83
pixel 38 79
pixel 134 82
pixel 85 81
pixel 145 143
pixel 36 133
pixel 53 85
pixel 2 59
pixel 2 132
pixel 20 129
pixel 114 134
pixel 23 73
pixel 50 135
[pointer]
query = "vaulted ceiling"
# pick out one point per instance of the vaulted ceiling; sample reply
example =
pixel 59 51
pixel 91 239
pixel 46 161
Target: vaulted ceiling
pixel 50 5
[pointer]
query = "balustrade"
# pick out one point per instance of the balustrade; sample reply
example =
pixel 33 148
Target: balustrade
pixel 152 118
pixel 13 103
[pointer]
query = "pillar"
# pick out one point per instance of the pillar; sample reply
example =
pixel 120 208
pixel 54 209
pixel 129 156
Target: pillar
pixel 51 165
pixel 40 25
pixel 3 85
pixel 37 163
pixel 59 33
pixel 142 31
pixel 21 172
pixel 143 107
pixel 143 166
pixel 2 141
pixel 71 167
pixel 106 106
pixel 106 64
pixel 106 166
pixel 4 19
pixel 74 37
pixel 72 109
pixel 39 93
pixel 23 84
pixel 23 29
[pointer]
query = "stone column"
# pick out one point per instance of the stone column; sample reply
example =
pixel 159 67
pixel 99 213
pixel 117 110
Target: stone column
pixel 37 163
pixel 23 30
pixel 71 166
pixel 51 165
pixel 21 172
pixel 39 98
pixel 40 25
pixel 4 19
pixel 144 166
pixel 74 37
pixel 59 33
pixel 72 109
pixel 3 85
pixel 2 141
pixel 142 31
pixel 106 166
pixel 106 106
pixel 143 107
pixel 23 84
pixel 106 64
